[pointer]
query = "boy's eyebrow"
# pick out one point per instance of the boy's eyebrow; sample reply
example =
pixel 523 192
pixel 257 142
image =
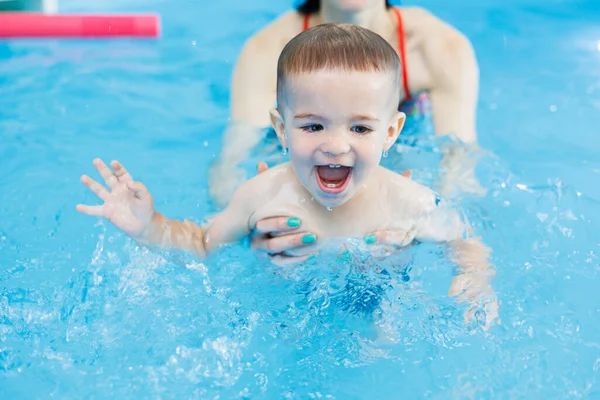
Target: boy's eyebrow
pixel 307 115
pixel 365 117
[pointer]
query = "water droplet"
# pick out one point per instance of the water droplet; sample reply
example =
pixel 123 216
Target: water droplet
pixel 193 42
pixel 553 108
pixel 329 209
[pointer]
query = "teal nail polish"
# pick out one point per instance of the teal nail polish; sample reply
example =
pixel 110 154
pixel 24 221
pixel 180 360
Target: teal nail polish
pixel 293 222
pixel 308 239
pixel 370 239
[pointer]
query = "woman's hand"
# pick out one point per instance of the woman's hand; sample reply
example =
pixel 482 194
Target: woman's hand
pixel 127 204
pixel 280 238
pixel 474 289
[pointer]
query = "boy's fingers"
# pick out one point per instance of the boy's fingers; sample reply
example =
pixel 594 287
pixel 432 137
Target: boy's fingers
pixel 120 172
pixel 95 187
pixel 95 211
pixel 139 190
pixel 109 178
pixel 276 225
pixel 262 167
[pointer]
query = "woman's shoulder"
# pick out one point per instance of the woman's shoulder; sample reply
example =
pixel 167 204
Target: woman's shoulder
pixel 424 24
pixel 440 43
pixel 415 17
pixel 274 36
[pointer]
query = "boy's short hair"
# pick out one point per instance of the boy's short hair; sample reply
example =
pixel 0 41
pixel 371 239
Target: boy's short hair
pixel 341 47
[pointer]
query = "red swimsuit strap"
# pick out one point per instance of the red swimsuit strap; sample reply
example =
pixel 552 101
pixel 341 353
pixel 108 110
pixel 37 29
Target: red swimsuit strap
pixel 306 20
pixel 402 46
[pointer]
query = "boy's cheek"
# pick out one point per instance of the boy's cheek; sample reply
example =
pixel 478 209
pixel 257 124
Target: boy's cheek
pixel 302 150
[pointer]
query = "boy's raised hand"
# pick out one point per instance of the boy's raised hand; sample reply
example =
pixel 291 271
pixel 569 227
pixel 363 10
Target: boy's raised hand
pixel 127 204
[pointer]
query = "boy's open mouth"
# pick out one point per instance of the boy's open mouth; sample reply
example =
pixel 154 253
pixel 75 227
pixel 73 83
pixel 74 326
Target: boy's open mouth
pixel 333 178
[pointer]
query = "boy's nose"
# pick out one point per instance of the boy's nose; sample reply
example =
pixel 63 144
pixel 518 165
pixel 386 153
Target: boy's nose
pixel 335 144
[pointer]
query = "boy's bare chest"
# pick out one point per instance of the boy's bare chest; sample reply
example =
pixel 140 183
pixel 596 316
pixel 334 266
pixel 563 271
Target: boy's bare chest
pixel 337 222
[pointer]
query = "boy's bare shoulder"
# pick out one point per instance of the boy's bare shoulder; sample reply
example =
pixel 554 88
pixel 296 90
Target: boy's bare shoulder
pixel 266 185
pixel 402 190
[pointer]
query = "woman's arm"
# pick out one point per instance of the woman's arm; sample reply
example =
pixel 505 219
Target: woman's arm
pixel 454 88
pixel 453 75
pixel 252 96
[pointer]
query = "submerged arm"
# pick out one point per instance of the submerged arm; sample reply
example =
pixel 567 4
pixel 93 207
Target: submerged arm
pixel 472 283
pixel 251 99
pixel 454 93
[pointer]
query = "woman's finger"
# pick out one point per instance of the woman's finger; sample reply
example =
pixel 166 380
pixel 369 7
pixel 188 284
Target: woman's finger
pixel 275 225
pixel 284 244
pixel 395 237
pixel 120 172
pixel 109 178
pixel 283 260
pixel 94 211
pixel 262 167
pixel 95 187
pixel 459 286
pixel 486 315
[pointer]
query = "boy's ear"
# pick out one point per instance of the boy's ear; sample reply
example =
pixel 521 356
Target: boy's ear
pixel 279 127
pixel 394 130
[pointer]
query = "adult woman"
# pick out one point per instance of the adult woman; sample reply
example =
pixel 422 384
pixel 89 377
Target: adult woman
pixel 436 59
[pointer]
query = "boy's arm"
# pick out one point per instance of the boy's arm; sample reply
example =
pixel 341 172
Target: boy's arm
pixel 128 205
pixel 229 226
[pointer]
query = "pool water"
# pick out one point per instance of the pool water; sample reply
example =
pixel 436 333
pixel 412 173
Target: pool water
pixel 85 313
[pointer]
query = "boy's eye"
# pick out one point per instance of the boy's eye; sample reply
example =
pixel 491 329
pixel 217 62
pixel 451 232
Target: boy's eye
pixel 312 127
pixel 361 130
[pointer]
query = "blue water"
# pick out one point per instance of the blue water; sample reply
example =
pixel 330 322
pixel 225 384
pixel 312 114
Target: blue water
pixel 84 313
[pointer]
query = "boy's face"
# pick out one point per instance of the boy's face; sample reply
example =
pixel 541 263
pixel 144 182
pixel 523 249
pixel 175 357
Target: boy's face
pixel 336 126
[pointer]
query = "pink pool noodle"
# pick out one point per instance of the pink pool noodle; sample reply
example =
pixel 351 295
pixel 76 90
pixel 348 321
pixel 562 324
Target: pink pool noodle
pixel 35 25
